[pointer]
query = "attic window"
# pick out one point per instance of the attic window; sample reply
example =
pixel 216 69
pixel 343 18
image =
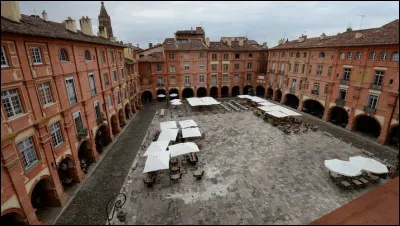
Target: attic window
pixel 63 55
pixel 321 55
pixel 237 55
pixel 395 56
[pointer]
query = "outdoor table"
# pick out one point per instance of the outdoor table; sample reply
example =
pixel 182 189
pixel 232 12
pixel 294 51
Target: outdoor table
pixel 175 168
pixel 198 174
pixel 364 181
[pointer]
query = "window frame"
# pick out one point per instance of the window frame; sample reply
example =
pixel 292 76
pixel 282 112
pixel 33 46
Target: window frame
pixel 34 151
pixel 226 56
pixel 372 55
pixel 76 94
pixel 201 78
pixel 96 103
pixel 61 51
pixel 225 76
pixel 201 65
pixel 395 56
pixel 106 79
pixel 9 96
pixel 109 101
pixel 4 55
pixel 320 69
pixel 186 65
pixel 342 55
pixel 74 118
pixel 350 55
pixel 115 75
pixel 44 101
pixel 347 74
pixel 370 103
pixel 91 74
pixel 87 54
pixel 213 68
pixel 172 66
pixel 379 75
pixel 358 55
pixel 187 79
pixel 39 51
pixel 55 130
pixel 383 56
pixel 249 65
pixel 322 55
pixel 102 57
pixel 171 56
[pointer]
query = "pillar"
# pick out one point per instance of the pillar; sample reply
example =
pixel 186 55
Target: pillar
pixel 384 131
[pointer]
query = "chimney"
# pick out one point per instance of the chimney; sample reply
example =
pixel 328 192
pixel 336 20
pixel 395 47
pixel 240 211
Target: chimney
pixel 44 15
pixel 150 45
pixel 10 10
pixel 86 26
pixel 199 29
pixel 229 42
pixel 102 32
pixel 349 29
pixel 241 42
pixel 359 34
pixel 323 36
pixel 208 42
pixel 302 38
pixel 70 24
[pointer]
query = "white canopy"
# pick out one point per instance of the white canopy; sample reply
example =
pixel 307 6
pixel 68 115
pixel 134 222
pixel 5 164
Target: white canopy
pixel 176 103
pixel 191 132
pixel 277 114
pixel 160 95
pixel 176 100
pixel 282 110
pixel 168 125
pixel 195 101
pixel 158 161
pixel 173 95
pixel 368 164
pixel 258 99
pixel 183 148
pixel 209 101
pixel 341 167
pixel 267 103
pixel 244 96
pixel 187 123
pixel 156 146
pixel 168 135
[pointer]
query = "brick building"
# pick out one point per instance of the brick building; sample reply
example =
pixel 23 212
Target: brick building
pixel 65 95
pixel 350 79
pixel 191 65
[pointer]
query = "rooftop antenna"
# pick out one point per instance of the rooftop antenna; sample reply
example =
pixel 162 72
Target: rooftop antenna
pixel 362 16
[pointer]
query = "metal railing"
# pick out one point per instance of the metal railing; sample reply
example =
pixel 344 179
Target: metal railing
pixel 344 82
pixel 315 92
pixel 376 87
pixel 369 110
pixel 340 101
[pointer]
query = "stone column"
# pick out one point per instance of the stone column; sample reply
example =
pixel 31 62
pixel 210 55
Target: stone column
pixel 384 131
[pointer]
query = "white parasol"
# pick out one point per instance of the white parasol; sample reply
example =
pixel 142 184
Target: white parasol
pixel 173 95
pixel 160 95
pixel 183 148
pixel 191 132
pixel 157 146
pixel 187 123
pixel 168 135
pixel 168 125
pixel 341 167
pixel 158 161
pixel 368 164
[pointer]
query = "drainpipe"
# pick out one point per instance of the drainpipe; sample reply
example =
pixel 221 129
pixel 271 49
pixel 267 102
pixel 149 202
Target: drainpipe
pixel 101 81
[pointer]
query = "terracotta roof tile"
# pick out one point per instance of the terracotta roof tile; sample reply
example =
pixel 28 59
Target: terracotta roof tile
pixel 192 44
pixel 152 57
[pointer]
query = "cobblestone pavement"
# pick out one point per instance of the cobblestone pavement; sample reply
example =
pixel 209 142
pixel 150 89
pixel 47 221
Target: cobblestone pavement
pixel 88 206
pixel 254 174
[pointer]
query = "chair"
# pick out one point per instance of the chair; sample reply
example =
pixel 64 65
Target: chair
pixel 174 177
pixel 149 184
pixel 199 177
pixel 357 183
pixel 345 185
pixel 364 181
pixel 373 178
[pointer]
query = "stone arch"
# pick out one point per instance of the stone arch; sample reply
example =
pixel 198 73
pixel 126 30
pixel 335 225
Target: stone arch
pixel 67 172
pixel 187 93
pixel 171 91
pixel 214 92
pixel 393 135
pixel 160 91
pixel 201 92
pixel 247 90
pixel 260 91
pixel 147 97
pixel 121 118
pixel 44 195
pixel 85 155
pixel 270 93
pixel 338 116
pixel 313 107
pixel 102 138
pixel 127 111
pixel 291 101
pixel 13 216
pixel 278 95
pixel 235 91
pixel 367 125
pixel 225 91
pixel 114 124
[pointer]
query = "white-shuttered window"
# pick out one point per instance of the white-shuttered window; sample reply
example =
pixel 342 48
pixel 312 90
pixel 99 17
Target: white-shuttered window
pixel 69 82
pixel 36 55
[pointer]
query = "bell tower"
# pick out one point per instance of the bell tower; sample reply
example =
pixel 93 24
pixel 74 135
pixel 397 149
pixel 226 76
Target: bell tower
pixel 105 21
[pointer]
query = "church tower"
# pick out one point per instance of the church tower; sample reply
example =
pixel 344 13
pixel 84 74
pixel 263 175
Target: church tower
pixel 105 21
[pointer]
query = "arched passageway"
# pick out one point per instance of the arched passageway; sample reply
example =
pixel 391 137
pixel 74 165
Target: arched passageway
pixel 235 91
pixel 214 92
pixel 187 93
pixel 121 118
pixel 260 91
pixel 67 173
pixel 13 219
pixel 43 197
pixel 102 138
pixel 127 112
pixel 368 126
pixel 339 116
pixel 225 91
pixel 114 125
pixel 159 92
pixel 175 91
pixel 278 95
pixel 270 93
pixel 291 101
pixel 393 136
pixel 248 90
pixel 85 155
pixel 313 107
pixel 201 92
pixel 147 97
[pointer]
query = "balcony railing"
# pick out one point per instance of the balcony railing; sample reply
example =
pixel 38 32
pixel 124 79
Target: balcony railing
pixel 376 87
pixel 292 90
pixel 344 82
pixel 315 92
pixel 369 110
pixel 187 84
pixel 340 101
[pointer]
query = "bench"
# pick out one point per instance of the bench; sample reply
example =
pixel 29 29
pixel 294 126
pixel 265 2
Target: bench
pixel 162 112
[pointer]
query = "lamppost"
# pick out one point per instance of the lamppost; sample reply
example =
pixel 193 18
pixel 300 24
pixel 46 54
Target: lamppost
pixel 121 212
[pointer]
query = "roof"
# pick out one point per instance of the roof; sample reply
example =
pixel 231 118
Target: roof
pixel 103 11
pixel 378 207
pixel 191 44
pixel 152 57
pixel 35 26
pixel 188 32
pixel 247 45
pixel 388 34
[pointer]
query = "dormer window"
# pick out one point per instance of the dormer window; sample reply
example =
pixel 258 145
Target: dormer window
pixel 321 55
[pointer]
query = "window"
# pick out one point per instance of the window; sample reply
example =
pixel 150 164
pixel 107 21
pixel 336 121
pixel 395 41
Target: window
pixel 45 93
pixel 69 83
pixel 383 55
pixel 201 78
pixel 296 68
pixel 251 55
pixel 78 121
pixel 342 55
pixel 290 67
pixel 342 94
pixel 316 86
pixel 225 77
pixel 4 62
pixel 249 65
pixel 349 55
pixel 372 55
pixel 214 56
pixel 63 55
pixel 87 55
pixel 226 56
pixel 106 80
pixel 97 110
pixel 159 67
pixel 160 82
pixel 117 96
pixel 36 55
pixel 28 152
pixel 186 56
pixel 214 80
pixel 326 88
pixel 201 65
pixel 283 68
pixel 114 71
pixel 249 77
pixel 297 55
pixel 321 55
pixel 346 74
pixel 92 84
pixel 112 55
pixel 186 67
pixel 329 71
pixel 280 81
pixel 225 66
pixel 236 66
pixel 237 56
pixel 236 77
pixel 55 131
pixel 187 80
pixel 304 54
pixel 122 74
pixel 303 68
pixel 201 55
pixel 378 77
pixel 109 101
pixel 213 67
pixel 172 79
pixel 307 84
pixel 309 71
pixel 171 56
pixel 171 68
pixel 372 100
pixel 102 57
pixel 294 83
pixel 395 57
pixel 358 55
pixel 11 102
pixel 148 68
pixel 390 82
pixel 319 69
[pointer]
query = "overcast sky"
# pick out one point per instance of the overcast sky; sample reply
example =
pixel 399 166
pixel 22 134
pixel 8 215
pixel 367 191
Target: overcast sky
pixel 144 22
